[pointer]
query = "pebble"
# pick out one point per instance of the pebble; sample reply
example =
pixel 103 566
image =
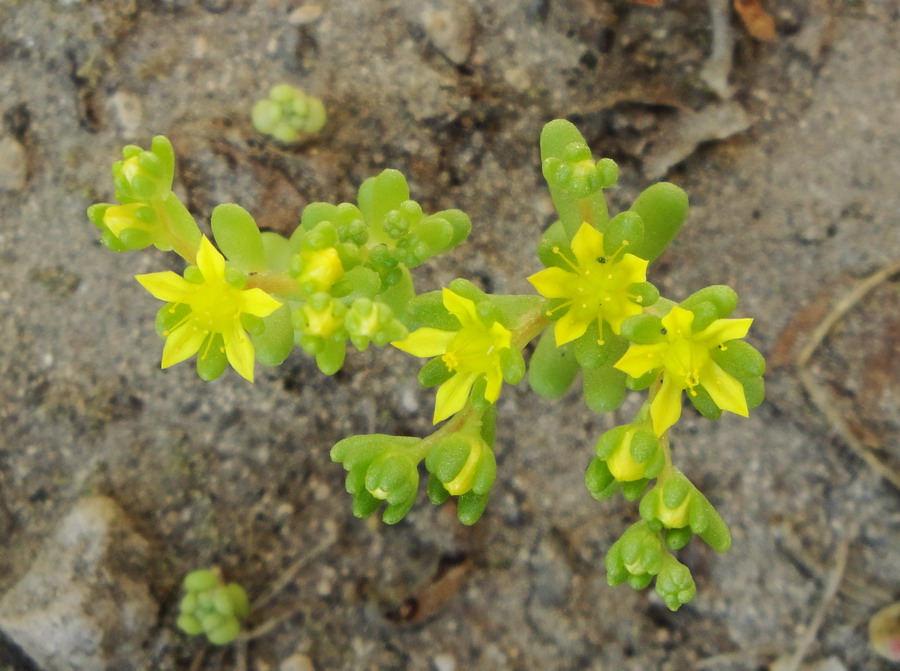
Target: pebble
pixel 127 110
pixel 297 663
pixel 305 14
pixel 85 604
pixel 444 663
pixel 13 165
pixel 450 26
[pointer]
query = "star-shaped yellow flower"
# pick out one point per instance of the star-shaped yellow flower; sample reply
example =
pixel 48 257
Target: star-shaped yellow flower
pixel 215 309
pixel 595 286
pixel 471 352
pixel 683 357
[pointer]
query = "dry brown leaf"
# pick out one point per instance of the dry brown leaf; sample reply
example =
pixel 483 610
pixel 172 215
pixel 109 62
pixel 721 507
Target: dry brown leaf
pixel 758 22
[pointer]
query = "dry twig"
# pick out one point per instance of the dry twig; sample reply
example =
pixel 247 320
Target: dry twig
pixel 817 393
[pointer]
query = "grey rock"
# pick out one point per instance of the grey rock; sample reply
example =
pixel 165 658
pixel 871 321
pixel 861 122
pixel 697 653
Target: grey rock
pixel 13 165
pixel 84 605
pixel 297 662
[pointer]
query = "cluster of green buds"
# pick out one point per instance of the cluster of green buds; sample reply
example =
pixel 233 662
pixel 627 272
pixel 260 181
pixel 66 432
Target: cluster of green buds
pixel 288 114
pixel 345 276
pixel 212 608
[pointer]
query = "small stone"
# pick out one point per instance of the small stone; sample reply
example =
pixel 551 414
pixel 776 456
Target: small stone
pixel 305 14
pixel 127 111
pixel 85 604
pixel 444 663
pixel 297 663
pixel 13 165
pixel 450 25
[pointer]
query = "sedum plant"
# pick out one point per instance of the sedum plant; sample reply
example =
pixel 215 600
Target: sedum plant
pixel 288 114
pixel 212 608
pixel 344 278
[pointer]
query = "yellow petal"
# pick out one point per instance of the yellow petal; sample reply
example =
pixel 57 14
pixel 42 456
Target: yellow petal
pixel 587 245
pixel 678 323
pixel 460 307
pixel 494 383
pixel 551 282
pixel 634 268
pixel 666 407
pixel 641 359
pixel 240 352
pixel 425 341
pixel 452 396
pixel 258 303
pixel 501 337
pixel 723 330
pixel 210 262
pixel 182 343
pixel 726 392
pixel 569 327
pixel 166 286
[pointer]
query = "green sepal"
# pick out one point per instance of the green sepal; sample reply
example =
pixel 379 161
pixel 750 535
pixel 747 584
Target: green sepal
pixel 678 538
pixel 393 477
pixel 632 491
pixel 489 425
pixel 169 315
pixel 276 341
pixel 331 356
pixel 642 382
pixel 238 237
pixel 625 231
pixel 460 225
pixel 675 584
pixel 470 507
pixel 379 195
pixel 211 359
pixel 436 492
pixel 638 552
pixel 131 239
pixel 575 181
pixel 703 402
pixel 200 581
pixel 477 398
pixel 663 207
pixel 661 508
pixel 356 283
pixel 739 359
pixel 276 252
pixel 552 369
pixel 646 292
pixel 227 630
pixel 754 391
pixel 364 504
pixel 446 459
pixel 181 224
pixel 553 240
pixel 399 295
pixel 434 372
pixel 643 329
pixel 463 287
pixel 428 310
pixel 599 481
pixel 604 388
pixel 189 624
pixel 722 297
pixel 162 149
pixel 240 604
pixel 705 313
pixel 512 365
pixel 590 354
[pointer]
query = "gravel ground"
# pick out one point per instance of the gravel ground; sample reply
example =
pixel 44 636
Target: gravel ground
pixel 793 183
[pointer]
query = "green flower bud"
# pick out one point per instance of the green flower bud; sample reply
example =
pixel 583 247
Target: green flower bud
pixel 675 584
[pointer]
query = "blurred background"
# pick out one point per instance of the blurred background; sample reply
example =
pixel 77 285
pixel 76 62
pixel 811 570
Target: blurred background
pixel 779 119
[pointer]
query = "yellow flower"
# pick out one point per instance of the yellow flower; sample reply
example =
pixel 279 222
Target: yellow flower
pixel 685 362
pixel 320 269
pixel 595 286
pixel 216 308
pixel 469 353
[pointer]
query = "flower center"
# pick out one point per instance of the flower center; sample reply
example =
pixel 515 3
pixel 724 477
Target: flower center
pixel 214 306
pixel 475 349
pixel 684 359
